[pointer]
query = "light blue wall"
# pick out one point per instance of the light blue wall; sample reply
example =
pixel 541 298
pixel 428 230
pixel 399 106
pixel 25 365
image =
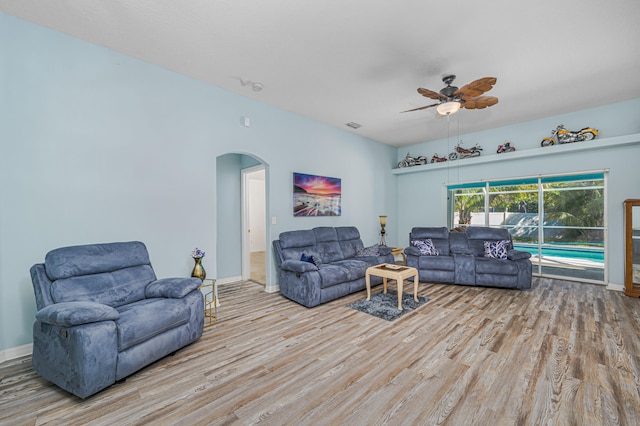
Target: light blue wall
pixel 424 192
pixel 98 147
pixel 229 221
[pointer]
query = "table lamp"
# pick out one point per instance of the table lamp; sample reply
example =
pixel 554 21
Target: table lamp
pixel 383 223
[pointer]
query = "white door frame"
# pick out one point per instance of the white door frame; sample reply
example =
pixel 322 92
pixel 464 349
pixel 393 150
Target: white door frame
pixel 246 245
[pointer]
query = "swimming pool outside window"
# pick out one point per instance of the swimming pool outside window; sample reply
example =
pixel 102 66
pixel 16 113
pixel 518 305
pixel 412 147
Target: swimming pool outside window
pixel 570 240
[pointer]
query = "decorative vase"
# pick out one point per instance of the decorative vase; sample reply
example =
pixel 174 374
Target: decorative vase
pixel 198 269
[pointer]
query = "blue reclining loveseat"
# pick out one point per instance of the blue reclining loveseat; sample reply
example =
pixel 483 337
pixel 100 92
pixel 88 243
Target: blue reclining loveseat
pixel 467 257
pixel 102 315
pixel 335 265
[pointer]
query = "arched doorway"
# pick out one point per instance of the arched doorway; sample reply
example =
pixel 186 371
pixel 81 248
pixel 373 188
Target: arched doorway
pixel 237 185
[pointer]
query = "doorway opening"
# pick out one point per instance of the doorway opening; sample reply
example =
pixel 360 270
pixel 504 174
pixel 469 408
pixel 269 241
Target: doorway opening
pixel 254 226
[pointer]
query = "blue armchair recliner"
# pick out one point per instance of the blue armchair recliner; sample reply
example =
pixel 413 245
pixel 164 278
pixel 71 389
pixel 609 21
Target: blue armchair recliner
pixel 103 315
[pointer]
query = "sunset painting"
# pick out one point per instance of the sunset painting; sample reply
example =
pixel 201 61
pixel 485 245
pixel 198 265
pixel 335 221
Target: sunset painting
pixel 316 195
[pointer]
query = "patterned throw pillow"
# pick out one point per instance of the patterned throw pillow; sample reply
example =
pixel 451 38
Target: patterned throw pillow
pixel 426 247
pixel 496 249
pixel 373 250
pixel 311 259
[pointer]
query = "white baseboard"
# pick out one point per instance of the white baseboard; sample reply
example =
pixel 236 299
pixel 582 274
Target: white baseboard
pixel 16 352
pixel 272 289
pixel 229 280
pixel 615 287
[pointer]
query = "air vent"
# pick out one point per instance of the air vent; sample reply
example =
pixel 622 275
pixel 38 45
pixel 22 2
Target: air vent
pixel 354 125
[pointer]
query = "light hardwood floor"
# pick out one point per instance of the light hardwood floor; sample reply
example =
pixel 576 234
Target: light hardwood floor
pixel 562 353
pixel 258 267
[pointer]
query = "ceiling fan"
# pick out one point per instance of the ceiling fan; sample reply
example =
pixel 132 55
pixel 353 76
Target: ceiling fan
pixel 451 99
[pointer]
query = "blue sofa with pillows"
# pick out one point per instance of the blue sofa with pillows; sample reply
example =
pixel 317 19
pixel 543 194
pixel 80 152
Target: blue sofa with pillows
pixel 322 264
pixel 103 314
pixel 481 256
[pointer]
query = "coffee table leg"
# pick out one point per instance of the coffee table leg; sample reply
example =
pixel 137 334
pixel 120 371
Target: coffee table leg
pixel 415 288
pixel 367 280
pixel 400 282
pixel 384 284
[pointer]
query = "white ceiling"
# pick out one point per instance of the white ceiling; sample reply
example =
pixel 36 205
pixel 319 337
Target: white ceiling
pixel 339 61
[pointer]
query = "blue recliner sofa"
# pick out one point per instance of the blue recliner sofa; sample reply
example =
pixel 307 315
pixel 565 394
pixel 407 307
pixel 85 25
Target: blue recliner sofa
pixel 341 261
pixel 103 314
pixel 462 258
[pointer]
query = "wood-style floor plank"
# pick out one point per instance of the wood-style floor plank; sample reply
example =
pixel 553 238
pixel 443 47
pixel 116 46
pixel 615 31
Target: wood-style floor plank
pixel 563 353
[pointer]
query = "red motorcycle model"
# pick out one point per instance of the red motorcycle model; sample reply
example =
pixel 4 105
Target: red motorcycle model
pixel 438 159
pixel 506 147
pixel 465 153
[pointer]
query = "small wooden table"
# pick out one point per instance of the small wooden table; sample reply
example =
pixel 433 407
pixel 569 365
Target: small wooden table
pixel 399 250
pixel 398 273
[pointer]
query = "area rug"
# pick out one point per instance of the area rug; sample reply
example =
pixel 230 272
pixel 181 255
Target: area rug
pixel 385 306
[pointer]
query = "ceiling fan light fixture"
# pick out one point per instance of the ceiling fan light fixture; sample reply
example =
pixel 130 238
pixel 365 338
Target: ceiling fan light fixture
pixel 448 108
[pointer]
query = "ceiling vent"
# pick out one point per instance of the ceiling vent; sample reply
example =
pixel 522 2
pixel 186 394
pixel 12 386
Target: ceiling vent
pixel 354 125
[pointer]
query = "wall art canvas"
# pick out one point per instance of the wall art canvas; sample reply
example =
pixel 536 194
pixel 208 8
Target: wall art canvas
pixel 316 195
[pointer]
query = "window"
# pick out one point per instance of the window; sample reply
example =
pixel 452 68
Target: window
pixel 558 219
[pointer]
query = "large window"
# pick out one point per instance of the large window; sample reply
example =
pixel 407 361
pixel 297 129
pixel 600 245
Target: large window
pixel 559 219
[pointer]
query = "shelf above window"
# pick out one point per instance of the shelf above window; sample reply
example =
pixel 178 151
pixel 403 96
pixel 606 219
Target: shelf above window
pixel 592 145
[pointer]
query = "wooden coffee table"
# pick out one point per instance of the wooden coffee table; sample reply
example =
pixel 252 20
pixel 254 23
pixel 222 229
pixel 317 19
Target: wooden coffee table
pixel 395 272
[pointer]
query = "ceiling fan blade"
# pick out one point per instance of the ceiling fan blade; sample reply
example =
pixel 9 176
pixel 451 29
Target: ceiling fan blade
pixel 431 94
pixel 480 102
pixel 421 108
pixel 476 88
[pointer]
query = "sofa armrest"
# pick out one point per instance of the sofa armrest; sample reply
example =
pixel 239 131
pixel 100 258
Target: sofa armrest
pixel 413 251
pixel 517 254
pixel 298 266
pixel 171 288
pixel 385 250
pixel 68 314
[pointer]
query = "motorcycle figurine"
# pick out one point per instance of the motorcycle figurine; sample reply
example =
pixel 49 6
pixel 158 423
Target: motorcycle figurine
pixel 465 153
pixel 412 161
pixel 563 135
pixel 438 159
pixel 506 147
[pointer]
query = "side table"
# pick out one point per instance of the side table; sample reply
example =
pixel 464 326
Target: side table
pixel 210 292
pixel 399 250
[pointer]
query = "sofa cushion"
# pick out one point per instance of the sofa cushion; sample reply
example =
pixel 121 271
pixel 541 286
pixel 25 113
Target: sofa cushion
pixel 66 262
pixel 459 243
pixel 373 250
pixel 426 247
pixel 441 263
pixel 291 239
pixel 496 249
pixel 331 275
pixel 349 240
pixel 327 244
pixel 477 235
pixel 294 243
pixel 109 288
pixel 439 236
pixel 487 265
pixel 147 318
pixel 356 267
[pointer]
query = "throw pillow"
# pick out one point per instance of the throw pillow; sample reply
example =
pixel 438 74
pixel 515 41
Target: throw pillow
pixel 496 249
pixel 426 247
pixel 311 259
pixel 373 250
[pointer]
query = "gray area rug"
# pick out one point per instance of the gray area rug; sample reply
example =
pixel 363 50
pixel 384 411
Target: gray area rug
pixel 385 306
